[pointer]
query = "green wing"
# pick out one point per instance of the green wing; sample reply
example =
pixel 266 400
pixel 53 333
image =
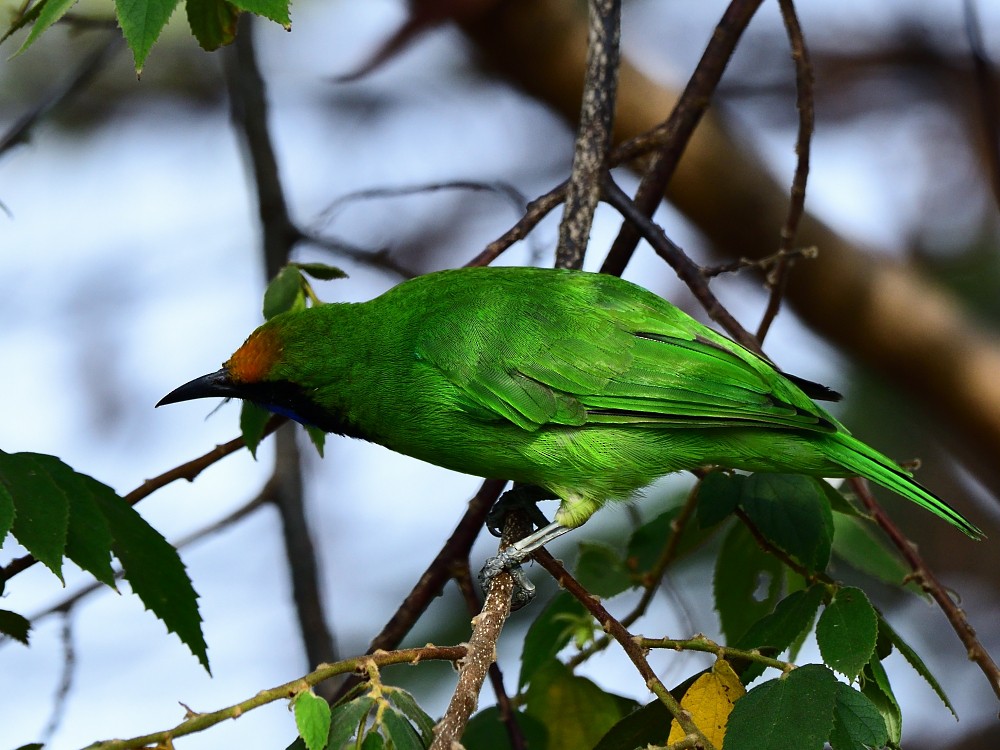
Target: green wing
pixel 576 349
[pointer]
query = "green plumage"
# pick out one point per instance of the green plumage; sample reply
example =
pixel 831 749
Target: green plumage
pixel 583 384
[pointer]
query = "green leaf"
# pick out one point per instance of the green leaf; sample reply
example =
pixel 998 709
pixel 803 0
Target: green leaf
pixel 154 569
pixel 41 508
pixel 312 719
pixel 556 695
pixel 857 723
pixel 32 746
pixel 646 544
pixel 88 537
pixel 141 22
pixel 412 710
pixel 373 741
pixel 321 271
pixel 847 631
pixel 6 506
pixel 792 512
pixel 718 497
pixel 20 20
pixel 794 712
pixel 747 583
pixel 886 631
pixel 284 293
pixel 253 420
pixel 275 10
pixel 48 12
pixel 347 719
pixel 875 686
pixel 213 22
pixel 399 732
pixel 857 543
pixel 838 502
pixel 550 633
pixel 485 731
pixel 14 625
pixel 317 436
pixel 774 633
pixel 601 571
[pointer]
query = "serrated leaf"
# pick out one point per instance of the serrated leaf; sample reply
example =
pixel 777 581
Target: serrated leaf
pixel 321 271
pixel 312 719
pixel 847 631
pixel 747 583
pixel 412 710
pixel 792 512
pixel 21 20
pixel 855 542
pixel 41 508
pixel 485 731
pixel 857 723
pixel 213 22
pixel 556 694
pixel 275 10
pixel 284 293
pixel 399 732
pixel 709 701
pixel 777 631
pixel 14 625
pixel 253 420
pixel 886 631
pixel 88 537
pixel 142 21
pixel 549 634
pixel 153 569
pixel 791 713
pixel 718 497
pixel 875 686
pixel 347 719
pixel 48 12
pixel 601 571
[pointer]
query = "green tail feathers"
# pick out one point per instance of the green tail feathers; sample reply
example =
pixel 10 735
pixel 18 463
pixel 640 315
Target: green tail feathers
pixel 873 466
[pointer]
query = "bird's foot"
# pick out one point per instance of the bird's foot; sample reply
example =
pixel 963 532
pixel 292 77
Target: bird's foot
pixel 522 497
pixel 509 561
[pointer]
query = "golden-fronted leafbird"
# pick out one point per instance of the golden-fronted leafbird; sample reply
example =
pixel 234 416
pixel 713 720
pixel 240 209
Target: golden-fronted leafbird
pixel 583 384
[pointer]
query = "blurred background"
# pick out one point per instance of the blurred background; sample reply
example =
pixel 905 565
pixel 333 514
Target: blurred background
pixel 130 263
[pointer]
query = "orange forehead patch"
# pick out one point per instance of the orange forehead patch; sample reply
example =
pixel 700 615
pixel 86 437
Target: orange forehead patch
pixel 252 362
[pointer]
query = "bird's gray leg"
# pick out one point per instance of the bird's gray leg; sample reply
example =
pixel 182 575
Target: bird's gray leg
pixel 510 560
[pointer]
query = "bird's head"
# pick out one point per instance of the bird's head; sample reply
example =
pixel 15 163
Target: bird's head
pixel 256 372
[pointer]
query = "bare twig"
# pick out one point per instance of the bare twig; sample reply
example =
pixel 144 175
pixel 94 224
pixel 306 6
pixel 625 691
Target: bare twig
pixel 196 722
pixel 687 270
pixel 76 82
pixel 777 279
pixel 482 646
pixel 625 639
pixel 673 135
pixel 925 578
pixel 594 133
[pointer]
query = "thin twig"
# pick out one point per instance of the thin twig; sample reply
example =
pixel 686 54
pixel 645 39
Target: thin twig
pixel 925 578
pixel 625 639
pixel 197 722
pixel 687 270
pixel 593 137
pixel 673 134
pixel 708 646
pixel 777 279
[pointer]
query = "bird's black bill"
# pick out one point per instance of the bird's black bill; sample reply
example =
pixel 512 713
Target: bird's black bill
pixel 216 384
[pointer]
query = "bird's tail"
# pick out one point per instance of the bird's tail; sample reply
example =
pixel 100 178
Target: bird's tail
pixel 866 462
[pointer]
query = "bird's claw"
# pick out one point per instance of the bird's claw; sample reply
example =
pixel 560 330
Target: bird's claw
pixel 509 562
pixel 521 497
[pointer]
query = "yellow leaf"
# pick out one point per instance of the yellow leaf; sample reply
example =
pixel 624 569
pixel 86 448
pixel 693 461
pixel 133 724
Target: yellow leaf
pixel 709 701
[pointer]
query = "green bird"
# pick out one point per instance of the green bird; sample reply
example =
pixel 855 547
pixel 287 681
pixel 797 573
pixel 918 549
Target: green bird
pixel 583 384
